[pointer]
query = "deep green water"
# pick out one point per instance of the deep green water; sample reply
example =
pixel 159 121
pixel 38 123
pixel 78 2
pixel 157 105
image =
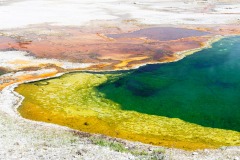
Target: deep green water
pixel 203 88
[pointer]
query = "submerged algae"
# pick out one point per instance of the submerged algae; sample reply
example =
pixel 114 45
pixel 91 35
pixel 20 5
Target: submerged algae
pixel 202 88
pixel 73 100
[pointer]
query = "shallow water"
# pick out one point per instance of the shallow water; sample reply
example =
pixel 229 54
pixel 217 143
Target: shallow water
pixel 100 103
pixel 203 88
pixel 159 33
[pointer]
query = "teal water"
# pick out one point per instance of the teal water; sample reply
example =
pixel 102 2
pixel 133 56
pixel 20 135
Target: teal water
pixel 203 88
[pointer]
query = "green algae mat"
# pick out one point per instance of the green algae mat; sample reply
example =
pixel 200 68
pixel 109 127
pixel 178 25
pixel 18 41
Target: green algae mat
pixel 1 72
pixel 190 104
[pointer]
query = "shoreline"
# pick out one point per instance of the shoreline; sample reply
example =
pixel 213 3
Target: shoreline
pixel 182 54
pixel 22 138
pixel 18 98
pixel 168 151
pixel 11 87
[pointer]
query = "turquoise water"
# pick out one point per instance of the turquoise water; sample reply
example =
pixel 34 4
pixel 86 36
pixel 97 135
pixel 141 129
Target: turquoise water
pixel 203 88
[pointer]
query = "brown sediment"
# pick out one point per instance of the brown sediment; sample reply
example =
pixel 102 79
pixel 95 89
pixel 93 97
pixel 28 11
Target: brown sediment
pixel 76 45
pixel 26 76
pixel 110 47
pixel 110 51
pixel 2 70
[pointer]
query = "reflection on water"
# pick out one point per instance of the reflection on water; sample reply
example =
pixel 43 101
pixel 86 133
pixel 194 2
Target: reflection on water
pixel 203 88
pixel 159 33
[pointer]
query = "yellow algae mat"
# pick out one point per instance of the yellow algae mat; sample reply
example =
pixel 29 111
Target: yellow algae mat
pixel 72 100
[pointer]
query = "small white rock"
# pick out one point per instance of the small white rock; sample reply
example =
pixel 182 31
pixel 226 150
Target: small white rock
pixel 194 153
pixel 236 158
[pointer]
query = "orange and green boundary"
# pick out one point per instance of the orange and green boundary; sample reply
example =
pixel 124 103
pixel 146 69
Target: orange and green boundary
pixel 72 100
